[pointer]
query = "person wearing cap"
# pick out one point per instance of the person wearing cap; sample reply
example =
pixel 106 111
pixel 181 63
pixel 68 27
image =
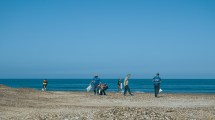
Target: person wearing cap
pixel 126 87
pixel 96 82
pixel 156 80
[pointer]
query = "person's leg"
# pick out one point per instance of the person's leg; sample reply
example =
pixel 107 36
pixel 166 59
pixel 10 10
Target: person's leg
pixel 94 89
pixel 129 91
pixel 45 87
pixel 125 90
pixel 104 92
pixel 97 90
pixel 155 90
pixel 158 89
pixel 101 92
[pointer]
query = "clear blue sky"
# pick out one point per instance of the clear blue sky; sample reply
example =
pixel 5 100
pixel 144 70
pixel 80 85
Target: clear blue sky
pixel 77 39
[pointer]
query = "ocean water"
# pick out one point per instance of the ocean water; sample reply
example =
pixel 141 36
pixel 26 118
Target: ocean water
pixel 193 86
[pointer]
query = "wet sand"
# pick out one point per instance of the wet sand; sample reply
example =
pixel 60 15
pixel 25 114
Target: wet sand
pixel 30 104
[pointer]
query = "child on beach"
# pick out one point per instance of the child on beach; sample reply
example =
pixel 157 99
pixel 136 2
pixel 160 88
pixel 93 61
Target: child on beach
pixel 45 83
pixel 119 85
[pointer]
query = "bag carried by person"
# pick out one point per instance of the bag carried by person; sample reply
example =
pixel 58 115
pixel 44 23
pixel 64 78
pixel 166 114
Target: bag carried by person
pixel 121 86
pixel 89 88
pixel 160 90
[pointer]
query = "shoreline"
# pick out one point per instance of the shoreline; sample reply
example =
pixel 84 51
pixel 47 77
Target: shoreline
pixel 26 103
pixel 84 92
pixel 175 86
pixel 177 93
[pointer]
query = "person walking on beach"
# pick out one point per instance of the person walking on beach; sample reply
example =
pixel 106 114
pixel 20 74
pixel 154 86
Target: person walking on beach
pixel 157 81
pixel 45 83
pixel 126 87
pixel 96 82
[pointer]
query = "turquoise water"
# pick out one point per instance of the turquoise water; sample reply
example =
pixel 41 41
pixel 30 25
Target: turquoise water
pixel 136 85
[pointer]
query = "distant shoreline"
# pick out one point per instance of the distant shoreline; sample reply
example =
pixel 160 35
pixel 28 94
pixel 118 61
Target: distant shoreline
pixel 91 92
pixel 174 86
pixel 109 78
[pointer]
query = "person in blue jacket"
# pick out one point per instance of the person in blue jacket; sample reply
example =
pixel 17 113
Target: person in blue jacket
pixel 157 81
pixel 96 82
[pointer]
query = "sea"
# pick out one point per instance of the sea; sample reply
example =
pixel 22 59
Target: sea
pixel 189 86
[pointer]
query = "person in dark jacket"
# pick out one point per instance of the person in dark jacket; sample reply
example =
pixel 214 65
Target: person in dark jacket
pixel 96 82
pixel 156 80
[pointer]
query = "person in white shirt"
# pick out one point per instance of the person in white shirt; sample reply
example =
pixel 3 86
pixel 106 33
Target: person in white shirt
pixel 126 87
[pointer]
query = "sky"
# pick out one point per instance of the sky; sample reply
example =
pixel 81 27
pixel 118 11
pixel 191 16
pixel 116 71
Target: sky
pixel 81 38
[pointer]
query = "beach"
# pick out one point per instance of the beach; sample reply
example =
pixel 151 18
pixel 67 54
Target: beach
pixel 26 103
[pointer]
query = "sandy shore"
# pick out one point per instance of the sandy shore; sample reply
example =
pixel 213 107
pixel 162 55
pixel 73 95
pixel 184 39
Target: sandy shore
pixel 37 105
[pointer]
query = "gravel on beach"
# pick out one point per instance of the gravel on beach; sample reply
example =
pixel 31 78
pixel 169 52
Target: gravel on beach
pixel 31 104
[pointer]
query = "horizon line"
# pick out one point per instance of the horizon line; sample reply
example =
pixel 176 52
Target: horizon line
pixel 110 78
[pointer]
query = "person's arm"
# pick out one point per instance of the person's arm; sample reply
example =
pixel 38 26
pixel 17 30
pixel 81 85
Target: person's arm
pixel 160 80
pixel 92 82
pixel 153 80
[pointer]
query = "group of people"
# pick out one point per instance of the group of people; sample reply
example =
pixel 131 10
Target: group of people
pixel 126 87
pixel 99 88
